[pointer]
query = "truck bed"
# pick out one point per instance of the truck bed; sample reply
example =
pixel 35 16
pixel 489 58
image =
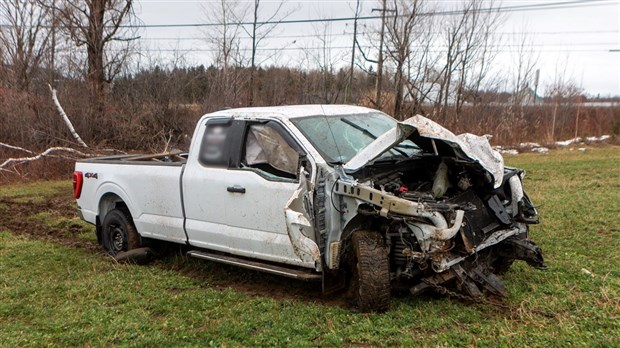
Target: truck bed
pixel 149 185
pixel 166 158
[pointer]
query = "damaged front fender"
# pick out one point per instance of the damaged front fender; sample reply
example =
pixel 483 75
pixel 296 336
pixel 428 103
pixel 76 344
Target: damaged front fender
pixel 304 247
pixel 299 226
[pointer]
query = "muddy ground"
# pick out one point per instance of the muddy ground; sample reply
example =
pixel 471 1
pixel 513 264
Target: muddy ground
pixel 20 217
pixel 53 219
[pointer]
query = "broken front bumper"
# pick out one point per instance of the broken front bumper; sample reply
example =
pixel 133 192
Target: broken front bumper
pixel 479 229
pixel 474 275
pixel 442 264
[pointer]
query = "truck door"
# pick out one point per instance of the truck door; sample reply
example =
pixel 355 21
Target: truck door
pixel 237 190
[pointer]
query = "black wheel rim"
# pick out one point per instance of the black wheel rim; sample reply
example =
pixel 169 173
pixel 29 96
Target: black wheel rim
pixel 118 238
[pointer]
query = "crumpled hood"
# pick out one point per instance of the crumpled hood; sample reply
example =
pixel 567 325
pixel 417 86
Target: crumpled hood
pixel 432 137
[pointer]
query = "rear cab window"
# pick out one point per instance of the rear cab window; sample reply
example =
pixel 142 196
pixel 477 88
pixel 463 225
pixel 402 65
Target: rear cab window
pixel 216 143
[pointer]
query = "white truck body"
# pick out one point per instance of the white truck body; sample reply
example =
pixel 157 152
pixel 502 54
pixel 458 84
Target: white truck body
pixel 290 185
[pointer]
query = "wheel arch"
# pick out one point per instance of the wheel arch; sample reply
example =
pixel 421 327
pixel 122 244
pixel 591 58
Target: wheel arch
pixel 111 197
pixel 110 201
pixel 358 222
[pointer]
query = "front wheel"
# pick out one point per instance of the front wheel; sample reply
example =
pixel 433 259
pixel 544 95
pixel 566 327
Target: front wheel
pixel 119 233
pixel 370 282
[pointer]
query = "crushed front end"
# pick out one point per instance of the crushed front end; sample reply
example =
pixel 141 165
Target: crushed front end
pixel 451 215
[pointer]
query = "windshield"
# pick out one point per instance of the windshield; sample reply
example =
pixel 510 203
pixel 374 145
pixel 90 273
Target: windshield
pixel 339 138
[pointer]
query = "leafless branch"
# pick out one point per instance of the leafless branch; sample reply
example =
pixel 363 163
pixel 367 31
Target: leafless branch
pixel 65 118
pixel 46 153
pixel 16 148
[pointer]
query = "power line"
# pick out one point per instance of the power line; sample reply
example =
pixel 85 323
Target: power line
pixel 515 8
pixel 436 48
pixel 433 49
pixel 347 34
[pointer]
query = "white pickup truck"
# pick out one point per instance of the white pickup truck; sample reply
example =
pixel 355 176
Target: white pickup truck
pixel 341 194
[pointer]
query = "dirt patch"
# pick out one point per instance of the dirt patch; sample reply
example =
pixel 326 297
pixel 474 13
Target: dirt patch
pixel 279 288
pixel 251 283
pixel 20 217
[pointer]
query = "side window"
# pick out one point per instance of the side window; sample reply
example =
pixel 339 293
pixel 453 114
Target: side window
pixel 267 150
pixel 215 144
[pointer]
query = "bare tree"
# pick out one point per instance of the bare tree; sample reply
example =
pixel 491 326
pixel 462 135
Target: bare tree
pixel 259 30
pixel 475 50
pixel 440 60
pixel 353 49
pixel 454 34
pixel 524 62
pixel 398 43
pixel 514 124
pixel 24 40
pixel 421 73
pixel 564 92
pixel 323 57
pixel 104 28
pixel 224 39
pixel 379 80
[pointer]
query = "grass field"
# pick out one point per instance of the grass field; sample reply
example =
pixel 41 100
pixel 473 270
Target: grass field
pixel 57 288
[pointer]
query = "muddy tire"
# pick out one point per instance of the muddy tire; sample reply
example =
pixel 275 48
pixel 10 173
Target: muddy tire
pixel 370 273
pixel 118 232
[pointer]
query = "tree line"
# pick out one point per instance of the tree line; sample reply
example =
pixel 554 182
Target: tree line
pixel 410 62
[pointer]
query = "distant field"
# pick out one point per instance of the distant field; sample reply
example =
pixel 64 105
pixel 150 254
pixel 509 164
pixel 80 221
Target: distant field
pixel 57 288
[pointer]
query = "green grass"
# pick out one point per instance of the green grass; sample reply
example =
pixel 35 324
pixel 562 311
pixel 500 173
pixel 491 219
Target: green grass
pixel 36 192
pixel 51 294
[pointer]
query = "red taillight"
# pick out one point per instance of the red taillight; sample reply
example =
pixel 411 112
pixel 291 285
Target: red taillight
pixel 78 180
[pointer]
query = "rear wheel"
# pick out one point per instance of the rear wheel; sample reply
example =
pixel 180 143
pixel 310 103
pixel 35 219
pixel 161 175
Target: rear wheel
pixel 370 281
pixel 119 233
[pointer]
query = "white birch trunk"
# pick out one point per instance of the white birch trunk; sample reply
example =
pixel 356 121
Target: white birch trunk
pixel 46 153
pixel 16 148
pixel 75 135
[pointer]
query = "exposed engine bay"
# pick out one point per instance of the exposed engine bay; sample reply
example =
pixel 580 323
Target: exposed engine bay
pixel 446 217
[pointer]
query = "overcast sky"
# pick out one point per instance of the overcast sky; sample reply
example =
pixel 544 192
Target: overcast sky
pixel 574 42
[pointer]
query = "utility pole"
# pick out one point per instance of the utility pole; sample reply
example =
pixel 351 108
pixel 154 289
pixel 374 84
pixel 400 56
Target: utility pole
pixel 348 90
pixel 380 60
pixel 253 67
pixel 536 79
pixel 52 62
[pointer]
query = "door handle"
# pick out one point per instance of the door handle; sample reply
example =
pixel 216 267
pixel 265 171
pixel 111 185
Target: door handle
pixel 236 189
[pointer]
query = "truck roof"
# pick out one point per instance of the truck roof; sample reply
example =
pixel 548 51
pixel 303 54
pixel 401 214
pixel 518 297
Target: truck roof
pixel 293 111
